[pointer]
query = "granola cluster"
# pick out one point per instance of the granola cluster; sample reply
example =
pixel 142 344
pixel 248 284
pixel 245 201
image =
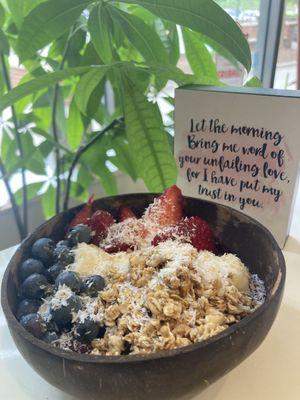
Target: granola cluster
pixel 164 297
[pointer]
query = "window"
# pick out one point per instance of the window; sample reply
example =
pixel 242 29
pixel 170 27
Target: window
pixel 288 54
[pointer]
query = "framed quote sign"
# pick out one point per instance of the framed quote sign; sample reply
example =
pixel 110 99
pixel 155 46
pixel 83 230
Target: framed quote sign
pixel 240 147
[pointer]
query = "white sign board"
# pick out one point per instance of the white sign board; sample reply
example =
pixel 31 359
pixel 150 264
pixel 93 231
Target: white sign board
pixel 240 147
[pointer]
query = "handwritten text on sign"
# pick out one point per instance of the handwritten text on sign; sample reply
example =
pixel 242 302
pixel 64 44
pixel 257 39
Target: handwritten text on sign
pixel 247 174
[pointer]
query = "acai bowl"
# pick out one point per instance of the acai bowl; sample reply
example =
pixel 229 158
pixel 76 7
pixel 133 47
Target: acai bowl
pixel 172 309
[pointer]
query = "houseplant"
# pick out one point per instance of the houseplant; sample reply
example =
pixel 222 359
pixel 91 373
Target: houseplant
pixel 94 70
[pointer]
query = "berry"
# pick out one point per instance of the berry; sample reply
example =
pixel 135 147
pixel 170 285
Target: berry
pixel 53 272
pixel 50 337
pixel 83 216
pixel 116 247
pixel 63 314
pixel 126 212
pixel 34 324
pixel 126 348
pixel 62 243
pixel 93 284
pixel 34 287
pixel 63 255
pixel 43 250
pixel 28 307
pixel 166 209
pixel 29 267
pixel 79 234
pixel 194 230
pixel 100 222
pixel 52 326
pixel 87 330
pixel 70 279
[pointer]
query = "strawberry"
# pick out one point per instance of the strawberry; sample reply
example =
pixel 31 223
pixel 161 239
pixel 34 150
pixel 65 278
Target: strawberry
pixel 116 247
pixel 194 230
pixel 166 209
pixel 84 215
pixel 126 212
pixel 99 223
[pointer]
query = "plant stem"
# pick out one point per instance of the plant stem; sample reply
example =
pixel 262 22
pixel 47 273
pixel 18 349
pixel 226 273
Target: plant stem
pixel 20 148
pixel 81 150
pixel 54 126
pixel 20 226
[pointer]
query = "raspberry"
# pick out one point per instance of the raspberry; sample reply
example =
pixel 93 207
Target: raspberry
pixel 99 223
pixel 193 230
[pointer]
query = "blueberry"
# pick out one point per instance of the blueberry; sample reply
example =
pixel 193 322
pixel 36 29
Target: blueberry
pixel 126 349
pixel 43 250
pixel 70 279
pixel 28 307
pixel 102 331
pixel 62 315
pixel 79 234
pixel 52 327
pixel 29 267
pixel 87 330
pixel 63 255
pixel 53 272
pixel 93 284
pixel 63 243
pixel 34 287
pixel 50 337
pixel 34 324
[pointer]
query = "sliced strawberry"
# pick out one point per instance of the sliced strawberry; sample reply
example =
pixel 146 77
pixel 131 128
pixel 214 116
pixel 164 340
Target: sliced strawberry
pixel 193 230
pixel 116 247
pixel 166 209
pixel 126 212
pixel 84 215
pixel 100 221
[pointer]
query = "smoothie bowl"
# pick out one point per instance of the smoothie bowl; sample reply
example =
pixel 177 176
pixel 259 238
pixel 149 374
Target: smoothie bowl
pixel 142 295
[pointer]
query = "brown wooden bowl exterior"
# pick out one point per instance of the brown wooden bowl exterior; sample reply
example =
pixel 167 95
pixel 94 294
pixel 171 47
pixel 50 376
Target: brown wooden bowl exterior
pixel 167 375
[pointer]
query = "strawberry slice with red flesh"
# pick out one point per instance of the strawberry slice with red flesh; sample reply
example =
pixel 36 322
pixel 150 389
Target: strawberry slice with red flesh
pixel 84 215
pixel 192 230
pixel 100 221
pixel 166 209
pixel 126 212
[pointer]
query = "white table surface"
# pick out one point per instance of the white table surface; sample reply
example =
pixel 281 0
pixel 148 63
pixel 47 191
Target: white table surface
pixel 271 373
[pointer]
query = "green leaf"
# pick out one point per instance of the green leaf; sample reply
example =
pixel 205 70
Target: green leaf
pixel 198 56
pixel 84 177
pixel 39 83
pixel 2 15
pixel 32 191
pixel 99 25
pixel 86 87
pixel 147 139
pixel 46 22
pixel 124 159
pixel 75 126
pixel 48 202
pixel 4 45
pixel 20 8
pixel 107 179
pixel 8 146
pixel 143 37
pixel 217 48
pixel 203 16
pixel 254 82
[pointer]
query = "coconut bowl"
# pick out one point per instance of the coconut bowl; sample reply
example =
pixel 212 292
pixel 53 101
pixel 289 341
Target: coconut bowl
pixel 167 375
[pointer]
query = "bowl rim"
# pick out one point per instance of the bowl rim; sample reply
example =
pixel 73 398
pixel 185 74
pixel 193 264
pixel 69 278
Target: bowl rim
pixel 136 358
